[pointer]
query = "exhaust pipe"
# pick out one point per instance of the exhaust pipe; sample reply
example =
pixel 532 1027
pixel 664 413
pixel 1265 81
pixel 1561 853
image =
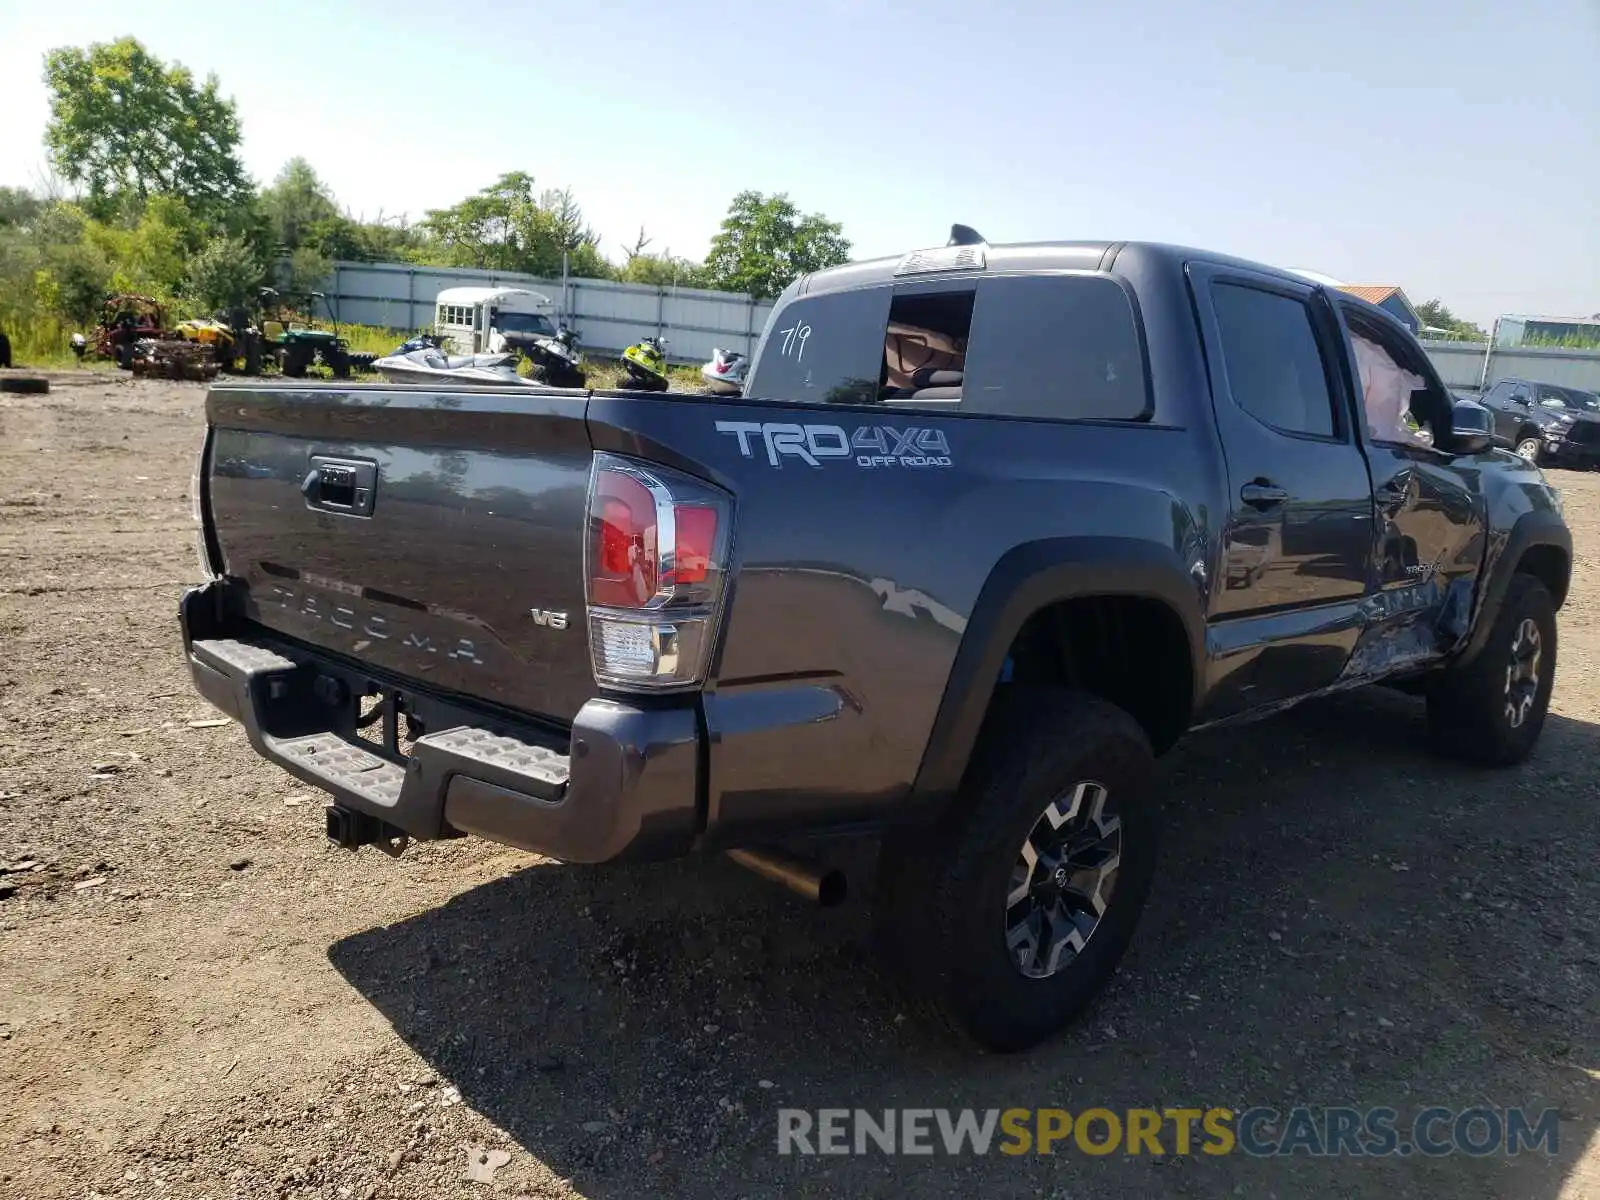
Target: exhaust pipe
pixel 824 886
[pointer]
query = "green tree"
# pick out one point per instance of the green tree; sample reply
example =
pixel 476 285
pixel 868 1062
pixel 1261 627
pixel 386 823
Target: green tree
pixel 765 244
pixel 18 207
pixel 296 203
pixel 1436 315
pixel 149 254
pixel 304 271
pixel 74 282
pixel 586 262
pixel 663 271
pixel 488 229
pixel 224 274
pixel 127 127
pixel 505 227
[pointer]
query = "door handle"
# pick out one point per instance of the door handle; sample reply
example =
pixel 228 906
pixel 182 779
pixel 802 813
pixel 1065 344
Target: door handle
pixel 1263 495
pixel 340 485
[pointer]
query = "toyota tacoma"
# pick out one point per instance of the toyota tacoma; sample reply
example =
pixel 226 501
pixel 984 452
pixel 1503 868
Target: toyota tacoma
pixel 991 528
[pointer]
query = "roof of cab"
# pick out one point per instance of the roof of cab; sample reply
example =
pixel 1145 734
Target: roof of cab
pixel 1027 256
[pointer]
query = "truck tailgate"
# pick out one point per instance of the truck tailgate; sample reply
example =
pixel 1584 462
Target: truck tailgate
pixel 435 535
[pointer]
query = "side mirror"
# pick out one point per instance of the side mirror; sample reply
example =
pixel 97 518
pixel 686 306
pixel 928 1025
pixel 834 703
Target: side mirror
pixel 1471 427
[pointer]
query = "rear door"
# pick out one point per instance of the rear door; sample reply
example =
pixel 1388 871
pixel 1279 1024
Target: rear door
pixel 1298 536
pixel 434 535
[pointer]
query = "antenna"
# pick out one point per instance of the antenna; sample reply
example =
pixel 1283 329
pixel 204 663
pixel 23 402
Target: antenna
pixel 964 235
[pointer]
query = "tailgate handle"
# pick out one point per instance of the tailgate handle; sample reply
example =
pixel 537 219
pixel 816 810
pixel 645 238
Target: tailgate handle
pixel 341 485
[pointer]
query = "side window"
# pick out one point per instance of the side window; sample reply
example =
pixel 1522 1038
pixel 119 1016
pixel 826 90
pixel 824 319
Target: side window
pixel 1055 347
pixel 824 349
pixel 1498 394
pixel 1401 398
pixel 1270 356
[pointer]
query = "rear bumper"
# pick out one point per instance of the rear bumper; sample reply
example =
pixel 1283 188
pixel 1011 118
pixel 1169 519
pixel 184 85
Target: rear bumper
pixel 623 785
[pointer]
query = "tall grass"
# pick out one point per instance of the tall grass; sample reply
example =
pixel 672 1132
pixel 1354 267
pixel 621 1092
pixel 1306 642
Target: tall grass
pixel 1578 339
pixel 38 341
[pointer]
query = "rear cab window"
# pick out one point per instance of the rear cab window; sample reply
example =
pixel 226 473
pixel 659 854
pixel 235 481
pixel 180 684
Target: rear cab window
pixel 1059 346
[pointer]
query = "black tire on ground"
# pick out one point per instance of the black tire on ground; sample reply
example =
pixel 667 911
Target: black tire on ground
pixel 942 913
pixel 252 356
pixel 338 363
pixel 1527 446
pixel 362 360
pixel 123 353
pixel 296 361
pixel 1489 711
pixel 27 384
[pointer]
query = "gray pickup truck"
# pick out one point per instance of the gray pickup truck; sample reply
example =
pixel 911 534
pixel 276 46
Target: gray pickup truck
pixel 992 528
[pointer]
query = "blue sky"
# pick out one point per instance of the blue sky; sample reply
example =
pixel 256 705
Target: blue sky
pixel 1453 148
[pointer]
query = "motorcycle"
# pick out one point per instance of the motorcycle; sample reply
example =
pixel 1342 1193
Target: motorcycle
pixel 556 360
pixel 724 375
pixel 646 364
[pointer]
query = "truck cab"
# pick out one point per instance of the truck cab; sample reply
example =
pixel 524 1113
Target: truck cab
pixel 477 320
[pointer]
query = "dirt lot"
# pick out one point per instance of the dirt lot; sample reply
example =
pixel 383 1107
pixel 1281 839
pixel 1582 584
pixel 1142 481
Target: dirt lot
pixel 198 997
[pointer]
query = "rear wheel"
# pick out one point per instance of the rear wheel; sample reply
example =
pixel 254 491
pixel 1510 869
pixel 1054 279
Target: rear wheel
pixel 1492 710
pixel 1007 918
pixel 296 361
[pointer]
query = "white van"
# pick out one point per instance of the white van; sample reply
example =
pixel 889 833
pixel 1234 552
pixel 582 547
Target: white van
pixel 475 320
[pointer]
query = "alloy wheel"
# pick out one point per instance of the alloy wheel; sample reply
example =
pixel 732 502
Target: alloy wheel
pixel 1522 672
pixel 1063 880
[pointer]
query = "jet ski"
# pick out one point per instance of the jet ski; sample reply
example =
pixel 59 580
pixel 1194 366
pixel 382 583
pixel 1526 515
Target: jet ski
pixel 724 375
pixel 429 365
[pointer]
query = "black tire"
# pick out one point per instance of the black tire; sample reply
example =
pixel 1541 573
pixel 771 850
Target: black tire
pixel 252 356
pixel 296 361
pixel 122 352
pixel 1528 446
pixel 1486 712
pixel 941 909
pixel 30 385
pixel 362 360
pixel 338 363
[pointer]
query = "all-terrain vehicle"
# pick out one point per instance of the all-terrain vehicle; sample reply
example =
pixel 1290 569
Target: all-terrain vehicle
pixel 298 344
pixel 125 320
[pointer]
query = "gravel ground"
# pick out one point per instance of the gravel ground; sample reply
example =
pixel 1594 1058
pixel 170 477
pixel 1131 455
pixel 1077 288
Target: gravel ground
pixel 200 998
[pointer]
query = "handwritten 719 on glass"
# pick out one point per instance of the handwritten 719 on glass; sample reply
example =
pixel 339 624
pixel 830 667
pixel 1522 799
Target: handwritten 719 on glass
pixel 794 340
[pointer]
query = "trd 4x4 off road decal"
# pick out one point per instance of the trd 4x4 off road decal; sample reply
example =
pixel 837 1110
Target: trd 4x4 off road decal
pixel 870 445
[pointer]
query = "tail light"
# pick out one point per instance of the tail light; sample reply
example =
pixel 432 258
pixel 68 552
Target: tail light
pixel 654 560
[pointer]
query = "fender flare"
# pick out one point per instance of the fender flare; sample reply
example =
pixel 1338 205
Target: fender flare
pixel 1026 579
pixel 1539 528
